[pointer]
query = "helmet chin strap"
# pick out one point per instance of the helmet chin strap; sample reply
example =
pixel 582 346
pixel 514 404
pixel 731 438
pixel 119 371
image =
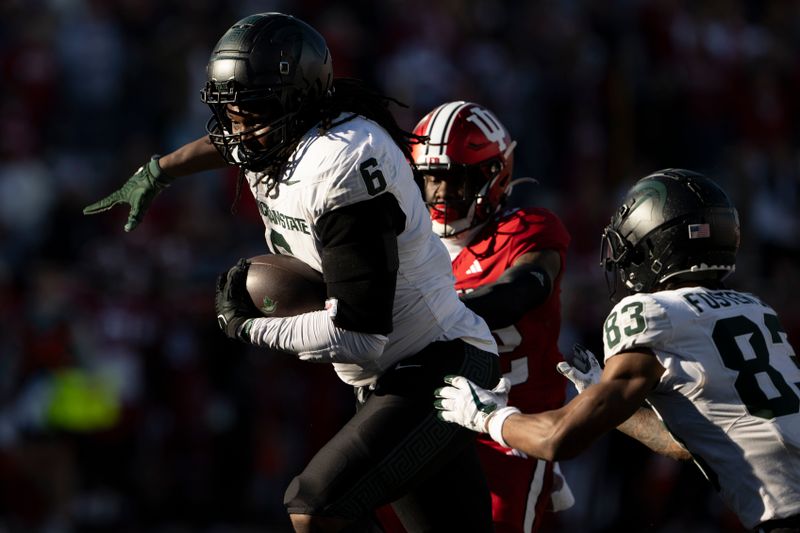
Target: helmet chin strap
pixel 451 228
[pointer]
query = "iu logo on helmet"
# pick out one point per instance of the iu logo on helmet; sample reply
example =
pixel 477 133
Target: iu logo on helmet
pixel 489 125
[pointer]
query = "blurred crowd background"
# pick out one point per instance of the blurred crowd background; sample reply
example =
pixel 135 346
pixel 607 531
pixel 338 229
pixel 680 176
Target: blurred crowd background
pixel 122 408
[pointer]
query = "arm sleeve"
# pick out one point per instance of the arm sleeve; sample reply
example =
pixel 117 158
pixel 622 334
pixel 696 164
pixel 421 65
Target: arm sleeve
pixel 360 262
pixel 517 290
pixel 313 337
pixel 523 287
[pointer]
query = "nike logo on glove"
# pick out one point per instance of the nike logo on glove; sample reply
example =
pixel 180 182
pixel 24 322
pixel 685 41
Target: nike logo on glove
pixel 483 407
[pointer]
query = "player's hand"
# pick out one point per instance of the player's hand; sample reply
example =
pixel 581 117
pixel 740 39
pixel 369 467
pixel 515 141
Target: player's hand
pixel 466 404
pixel 138 192
pixel 232 302
pixel 582 369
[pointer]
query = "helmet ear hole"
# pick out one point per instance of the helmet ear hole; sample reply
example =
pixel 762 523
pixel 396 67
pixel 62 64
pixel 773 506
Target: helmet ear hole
pixel 637 255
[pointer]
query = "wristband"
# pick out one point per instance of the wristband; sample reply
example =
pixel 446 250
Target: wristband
pixel 159 176
pixel 243 333
pixel 496 421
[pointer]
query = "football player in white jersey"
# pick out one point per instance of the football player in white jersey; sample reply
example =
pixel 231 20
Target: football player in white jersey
pixel 328 167
pixel 714 363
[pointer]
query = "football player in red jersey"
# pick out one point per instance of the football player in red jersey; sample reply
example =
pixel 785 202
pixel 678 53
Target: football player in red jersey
pixel 508 261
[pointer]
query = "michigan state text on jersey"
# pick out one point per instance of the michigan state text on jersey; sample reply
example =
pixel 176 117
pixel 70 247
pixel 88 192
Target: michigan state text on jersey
pixel 328 167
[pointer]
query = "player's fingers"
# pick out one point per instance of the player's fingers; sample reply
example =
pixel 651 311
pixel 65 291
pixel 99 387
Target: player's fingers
pixel 503 386
pixel 103 205
pixel 585 361
pixel 447 416
pixel 444 404
pixel 138 206
pixel 580 358
pixel 564 369
pixel 132 222
pixel 237 278
pixel 579 352
pixel 459 382
pixel 238 272
pixel 446 392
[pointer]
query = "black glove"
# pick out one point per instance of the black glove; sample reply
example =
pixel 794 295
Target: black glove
pixel 138 192
pixel 232 302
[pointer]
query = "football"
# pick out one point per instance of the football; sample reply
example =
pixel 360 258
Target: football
pixel 281 285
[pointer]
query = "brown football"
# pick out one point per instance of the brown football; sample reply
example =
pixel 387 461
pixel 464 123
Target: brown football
pixel 281 285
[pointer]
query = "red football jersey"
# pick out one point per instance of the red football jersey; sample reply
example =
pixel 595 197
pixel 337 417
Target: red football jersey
pixel 520 486
pixel 528 349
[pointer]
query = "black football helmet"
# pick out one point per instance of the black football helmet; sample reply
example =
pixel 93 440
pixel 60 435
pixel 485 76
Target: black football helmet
pixel 674 225
pixel 275 67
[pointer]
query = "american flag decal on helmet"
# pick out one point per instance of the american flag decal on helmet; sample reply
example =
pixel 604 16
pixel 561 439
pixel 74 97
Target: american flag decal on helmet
pixel 699 231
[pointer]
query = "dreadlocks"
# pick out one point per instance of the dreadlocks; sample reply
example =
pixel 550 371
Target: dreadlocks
pixel 351 96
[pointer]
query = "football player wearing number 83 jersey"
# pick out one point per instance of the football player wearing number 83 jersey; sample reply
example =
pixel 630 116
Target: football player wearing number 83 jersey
pixel 714 363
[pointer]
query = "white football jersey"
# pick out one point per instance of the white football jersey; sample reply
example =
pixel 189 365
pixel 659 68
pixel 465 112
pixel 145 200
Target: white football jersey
pixel 730 393
pixel 354 162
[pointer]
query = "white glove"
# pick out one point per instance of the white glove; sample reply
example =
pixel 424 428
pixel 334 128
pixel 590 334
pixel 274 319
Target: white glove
pixel 582 369
pixel 469 405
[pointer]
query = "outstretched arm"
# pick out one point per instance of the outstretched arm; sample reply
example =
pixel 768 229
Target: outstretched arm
pixel 193 157
pixel 563 433
pixel 156 175
pixel 583 370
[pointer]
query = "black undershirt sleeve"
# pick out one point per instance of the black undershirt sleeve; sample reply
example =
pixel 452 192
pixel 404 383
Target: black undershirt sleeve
pixel 360 262
pixel 518 290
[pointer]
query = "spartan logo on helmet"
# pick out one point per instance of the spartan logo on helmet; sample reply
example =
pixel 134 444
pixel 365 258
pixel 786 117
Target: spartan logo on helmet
pixel 675 225
pixel 650 192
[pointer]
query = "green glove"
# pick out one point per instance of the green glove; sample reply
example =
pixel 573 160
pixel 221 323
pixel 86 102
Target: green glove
pixel 138 192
